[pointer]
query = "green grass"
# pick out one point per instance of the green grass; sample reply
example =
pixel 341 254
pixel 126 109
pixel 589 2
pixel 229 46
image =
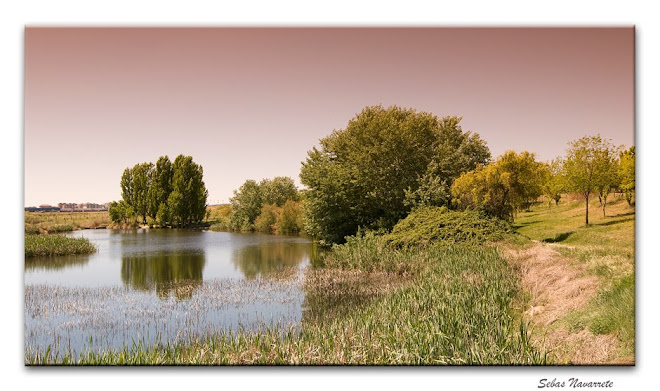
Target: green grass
pixel 606 248
pixel 54 244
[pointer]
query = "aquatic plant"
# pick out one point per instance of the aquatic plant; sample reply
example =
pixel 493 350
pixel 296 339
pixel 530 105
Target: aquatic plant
pixel 54 244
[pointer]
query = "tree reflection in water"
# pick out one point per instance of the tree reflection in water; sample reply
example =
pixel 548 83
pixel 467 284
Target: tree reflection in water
pixel 56 262
pixel 178 273
pixel 267 259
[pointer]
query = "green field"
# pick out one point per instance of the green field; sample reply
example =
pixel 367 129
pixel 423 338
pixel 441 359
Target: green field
pixel 605 252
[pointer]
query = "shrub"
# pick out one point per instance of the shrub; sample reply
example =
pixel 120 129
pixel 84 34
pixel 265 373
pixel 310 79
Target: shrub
pixel 265 222
pixel 430 225
pixel 290 219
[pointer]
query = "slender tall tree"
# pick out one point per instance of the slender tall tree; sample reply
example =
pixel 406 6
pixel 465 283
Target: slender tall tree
pixel 587 166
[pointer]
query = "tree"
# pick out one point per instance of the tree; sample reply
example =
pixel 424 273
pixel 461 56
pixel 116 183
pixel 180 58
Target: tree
pixel 609 179
pixel 141 184
pixel 266 220
pixel 161 186
pixel 120 212
pixel 135 183
pixel 278 191
pixel 187 202
pixel 553 180
pixel 372 173
pixel 587 166
pixel 254 203
pixel 290 218
pixel 501 188
pixel 246 205
pixel 626 169
pixel 168 193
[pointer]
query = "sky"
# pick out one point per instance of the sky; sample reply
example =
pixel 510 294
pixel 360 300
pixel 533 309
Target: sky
pixel 248 103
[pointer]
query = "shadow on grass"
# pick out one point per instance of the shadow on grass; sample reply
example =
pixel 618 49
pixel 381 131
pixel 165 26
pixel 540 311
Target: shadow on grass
pixel 624 214
pixel 522 224
pixel 612 222
pixel 559 237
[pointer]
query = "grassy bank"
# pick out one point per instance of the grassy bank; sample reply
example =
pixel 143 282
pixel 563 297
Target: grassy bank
pixel 604 251
pixel 54 222
pixel 53 244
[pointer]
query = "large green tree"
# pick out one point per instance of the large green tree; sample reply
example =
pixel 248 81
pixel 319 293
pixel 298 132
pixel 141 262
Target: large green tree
pixel 135 184
pixel 386 161
pixel 246 205
pixel 161 185
pixel 588 166
pixel 187 202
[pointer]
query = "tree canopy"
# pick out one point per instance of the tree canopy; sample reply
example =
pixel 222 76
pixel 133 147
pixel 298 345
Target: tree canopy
pixel 627 173
pixel 589 167
pixel 385 162
pixel 503 187
pixel 169 193
pixel 263 200
pixel 554 183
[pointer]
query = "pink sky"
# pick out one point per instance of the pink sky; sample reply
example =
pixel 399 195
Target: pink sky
pixel 248 103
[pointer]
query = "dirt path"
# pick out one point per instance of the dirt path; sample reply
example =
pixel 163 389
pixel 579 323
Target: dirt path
pixel 556 287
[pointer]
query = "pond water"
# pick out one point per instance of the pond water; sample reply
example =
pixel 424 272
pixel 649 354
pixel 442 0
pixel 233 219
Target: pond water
pixel 160 286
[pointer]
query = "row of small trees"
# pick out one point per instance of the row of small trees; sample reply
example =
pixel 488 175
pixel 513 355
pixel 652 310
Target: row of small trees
pixel 592 166
pixel 271 206
pixel 169 193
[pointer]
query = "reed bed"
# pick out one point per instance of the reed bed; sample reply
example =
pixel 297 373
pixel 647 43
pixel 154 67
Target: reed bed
pixel 69 322
pixel 54 244
pixel 53 222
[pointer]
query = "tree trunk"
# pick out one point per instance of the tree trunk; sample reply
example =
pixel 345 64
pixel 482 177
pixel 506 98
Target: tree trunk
pixel 586 198
pixel 604 203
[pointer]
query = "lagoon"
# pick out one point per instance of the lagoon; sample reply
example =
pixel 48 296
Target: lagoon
pixel 162 285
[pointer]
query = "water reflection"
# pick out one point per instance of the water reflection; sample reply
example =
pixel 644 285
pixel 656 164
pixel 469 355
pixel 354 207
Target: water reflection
pixel 270 258
pixel 177 273
pixel 56 263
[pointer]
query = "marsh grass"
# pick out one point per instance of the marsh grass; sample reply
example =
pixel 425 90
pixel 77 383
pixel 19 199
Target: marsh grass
pixel 54 244
pixel 605 248
pixel 54 222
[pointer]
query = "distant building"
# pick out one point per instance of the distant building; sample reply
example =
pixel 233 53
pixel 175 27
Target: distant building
pixel 82 207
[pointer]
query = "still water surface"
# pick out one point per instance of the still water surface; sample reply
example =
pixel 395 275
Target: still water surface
pixel 159 286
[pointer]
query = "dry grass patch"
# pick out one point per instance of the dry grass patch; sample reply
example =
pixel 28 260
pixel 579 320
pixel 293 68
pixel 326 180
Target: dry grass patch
pixel 557 287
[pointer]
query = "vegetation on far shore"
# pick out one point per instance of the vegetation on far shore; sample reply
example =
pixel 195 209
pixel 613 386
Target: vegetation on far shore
pixel 56 222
